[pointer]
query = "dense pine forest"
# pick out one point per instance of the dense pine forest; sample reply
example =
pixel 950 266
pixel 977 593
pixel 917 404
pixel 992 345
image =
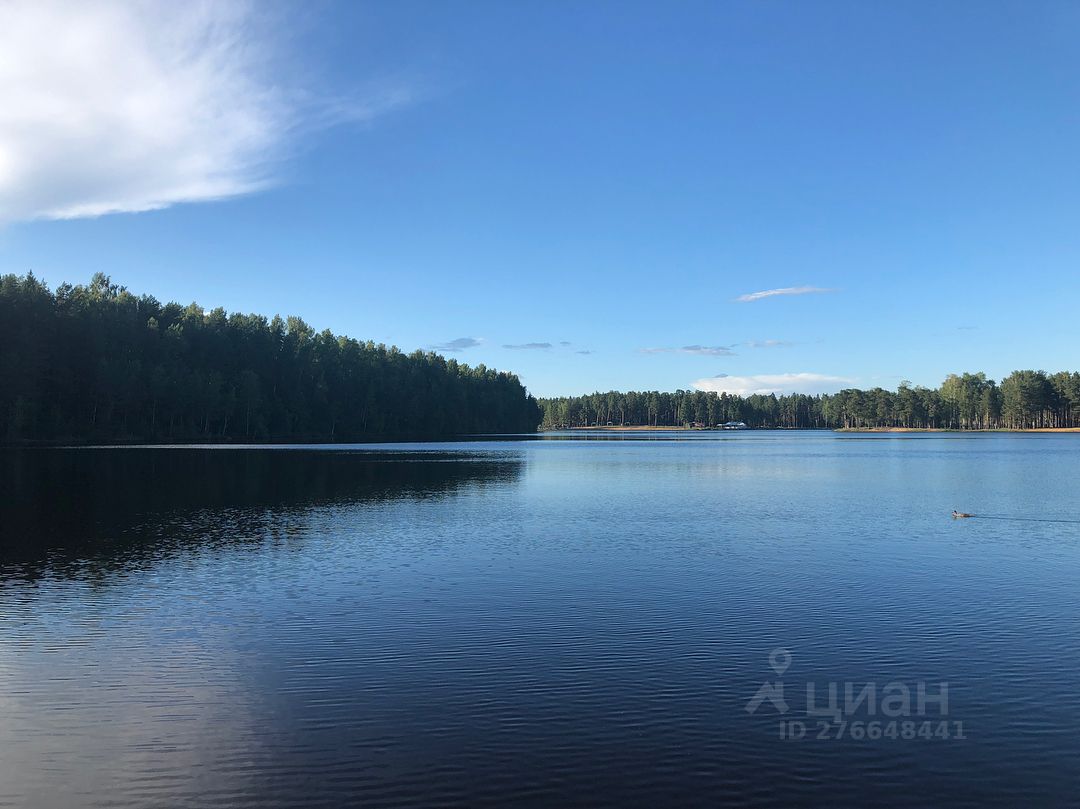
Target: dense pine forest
pixel 1023 400
pixel 98 363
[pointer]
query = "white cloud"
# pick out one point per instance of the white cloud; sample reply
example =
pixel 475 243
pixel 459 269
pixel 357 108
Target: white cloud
pixel 773 383
pixel 132 106
pixel 769 293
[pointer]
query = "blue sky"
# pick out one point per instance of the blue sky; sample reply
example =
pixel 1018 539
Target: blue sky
pixel 580 193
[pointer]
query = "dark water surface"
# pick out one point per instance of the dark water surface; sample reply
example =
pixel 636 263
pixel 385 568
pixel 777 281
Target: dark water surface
pixel 561 622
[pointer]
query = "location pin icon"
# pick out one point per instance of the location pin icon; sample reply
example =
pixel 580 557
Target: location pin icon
pixel 779 660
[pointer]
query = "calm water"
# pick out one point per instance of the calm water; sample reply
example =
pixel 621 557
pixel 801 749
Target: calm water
pixel 562 622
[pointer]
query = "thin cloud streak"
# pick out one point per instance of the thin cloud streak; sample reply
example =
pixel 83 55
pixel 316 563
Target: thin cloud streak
pixel 459 344
pixel 770 293
pixel 706 351
pixel 528 346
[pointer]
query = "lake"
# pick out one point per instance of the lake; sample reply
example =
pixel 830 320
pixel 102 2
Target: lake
pixel 565 620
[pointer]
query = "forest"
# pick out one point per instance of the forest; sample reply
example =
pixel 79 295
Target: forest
pixel 1023 400
pixel 98 363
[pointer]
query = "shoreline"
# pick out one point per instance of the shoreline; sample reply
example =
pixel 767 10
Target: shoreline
pixel 955 430
pixel 632 428
pixel 669 428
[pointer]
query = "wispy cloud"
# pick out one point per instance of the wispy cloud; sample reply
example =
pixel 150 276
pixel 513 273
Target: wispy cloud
pixel 770 293
pixel 459 344
pixel 769 343
pixel 121 107
pixel 528 346
pixel 708 351
pixel 773 383
pixel 584 351
pixel 565 343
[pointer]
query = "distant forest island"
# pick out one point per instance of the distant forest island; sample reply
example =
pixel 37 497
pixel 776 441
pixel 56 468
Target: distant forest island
pixel 1025 400
pixel 96 363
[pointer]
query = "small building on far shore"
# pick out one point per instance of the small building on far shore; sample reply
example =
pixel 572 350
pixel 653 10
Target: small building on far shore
pixel 733 425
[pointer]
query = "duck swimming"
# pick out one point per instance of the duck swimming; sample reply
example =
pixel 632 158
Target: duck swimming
pixel 958 514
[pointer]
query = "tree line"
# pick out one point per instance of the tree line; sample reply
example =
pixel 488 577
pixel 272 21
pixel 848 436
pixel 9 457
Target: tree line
pixel 1023 400
pixel 98 363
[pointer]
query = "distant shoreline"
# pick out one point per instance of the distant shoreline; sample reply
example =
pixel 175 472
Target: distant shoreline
pixel 639 428
pixel 631 428
pixel 669 428
pixel 954 430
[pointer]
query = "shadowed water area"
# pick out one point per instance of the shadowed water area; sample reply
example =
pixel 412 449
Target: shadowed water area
pixel 571 620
